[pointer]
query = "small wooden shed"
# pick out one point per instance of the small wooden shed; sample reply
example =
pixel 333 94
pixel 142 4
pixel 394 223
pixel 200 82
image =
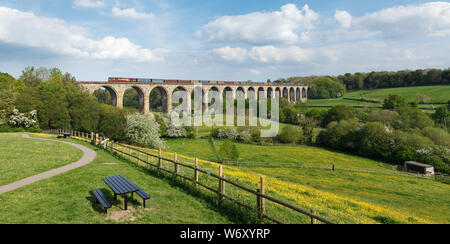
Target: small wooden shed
pixel 420 168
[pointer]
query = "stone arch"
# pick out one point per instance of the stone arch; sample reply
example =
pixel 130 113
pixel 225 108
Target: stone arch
pixel 277 92
pixel 251 93
pixel 285 93
pixel 112 92
pixel 159 99
pixel 240 93
pixel 269 93
pixel 304 93
pixel 261 92
pixel 210 96
pixel 297 94
pixel 198 98
pixel 185 98
pixel 141 97
pixel 228 94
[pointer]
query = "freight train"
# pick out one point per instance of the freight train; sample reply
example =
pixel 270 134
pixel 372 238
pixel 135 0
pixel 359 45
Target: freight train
pixel 139 80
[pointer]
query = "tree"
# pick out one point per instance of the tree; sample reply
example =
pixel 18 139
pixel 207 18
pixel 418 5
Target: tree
pixel 143 130
pixel 338 113
pixel 112 122
pixel 308 125
pixel 394 101
pixel 325 87
pixel 229 152
pixel 442 117
pixel 375 141
pixel 290 134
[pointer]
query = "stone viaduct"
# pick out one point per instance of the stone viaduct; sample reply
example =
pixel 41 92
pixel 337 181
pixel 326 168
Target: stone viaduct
pixel 292 92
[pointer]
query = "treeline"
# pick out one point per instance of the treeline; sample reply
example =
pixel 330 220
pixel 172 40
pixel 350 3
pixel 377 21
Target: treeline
pixel 323 86
pixel 56 101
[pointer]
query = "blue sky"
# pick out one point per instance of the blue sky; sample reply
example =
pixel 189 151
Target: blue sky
pixel 222 40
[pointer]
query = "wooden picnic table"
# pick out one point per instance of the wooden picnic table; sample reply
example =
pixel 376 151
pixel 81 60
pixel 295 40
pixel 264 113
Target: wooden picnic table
pixel 120 185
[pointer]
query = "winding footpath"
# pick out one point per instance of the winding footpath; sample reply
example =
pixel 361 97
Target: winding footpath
pixel 88 156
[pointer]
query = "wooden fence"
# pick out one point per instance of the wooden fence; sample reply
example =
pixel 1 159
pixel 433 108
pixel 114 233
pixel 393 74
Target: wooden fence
pixel 135 153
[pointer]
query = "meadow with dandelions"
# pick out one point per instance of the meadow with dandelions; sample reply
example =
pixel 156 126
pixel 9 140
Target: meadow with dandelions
pixel 359 190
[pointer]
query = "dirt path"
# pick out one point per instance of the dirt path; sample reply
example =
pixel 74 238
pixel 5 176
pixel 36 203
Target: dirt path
pixel 88 156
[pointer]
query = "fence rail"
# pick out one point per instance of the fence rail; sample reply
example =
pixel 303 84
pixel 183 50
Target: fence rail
pixel 259 193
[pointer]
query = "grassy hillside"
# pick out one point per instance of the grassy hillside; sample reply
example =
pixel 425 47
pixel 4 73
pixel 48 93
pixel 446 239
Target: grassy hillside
pixel 359 191
pixel 21 158
pixel 67 198
pixel 436 94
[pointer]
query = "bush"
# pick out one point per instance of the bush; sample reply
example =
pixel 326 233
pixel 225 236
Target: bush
pixel 229 152
pixel 143 130
pixel 225 134
pixel 438 136
pixel 245 136
pixel 290 134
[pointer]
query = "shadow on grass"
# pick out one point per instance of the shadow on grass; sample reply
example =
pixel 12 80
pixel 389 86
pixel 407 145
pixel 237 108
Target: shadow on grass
pixel 230 210
pixel 132 201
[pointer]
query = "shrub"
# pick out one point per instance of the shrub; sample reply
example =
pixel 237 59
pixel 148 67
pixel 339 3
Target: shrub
pixel 245 136
pixel 438 136
pixel 290 134
pixel 229 152
pixel 18 119
pixel 143 130
pixel 225 134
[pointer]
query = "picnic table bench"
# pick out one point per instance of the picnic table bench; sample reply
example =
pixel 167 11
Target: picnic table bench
pixel 102 199
pixel 122 186
pixel 65 135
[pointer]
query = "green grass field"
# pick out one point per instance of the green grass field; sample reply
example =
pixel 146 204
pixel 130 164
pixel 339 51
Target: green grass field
pixel 398 196
pixel 21 158
pixel 436 94
pixel 66 198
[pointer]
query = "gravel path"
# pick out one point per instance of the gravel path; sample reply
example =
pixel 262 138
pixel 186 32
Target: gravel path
pixel 88 156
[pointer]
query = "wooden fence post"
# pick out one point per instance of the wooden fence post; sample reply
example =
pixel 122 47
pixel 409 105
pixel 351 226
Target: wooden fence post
pixel 96 138
pixel 196 173
pixel 221 193
pixel 92 136
pixel 159 158
pixel 313 220
pixel 263 200
pixel 258 202
pixel 175 170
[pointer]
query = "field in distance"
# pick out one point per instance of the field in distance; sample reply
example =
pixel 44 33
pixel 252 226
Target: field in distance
pixel 433 94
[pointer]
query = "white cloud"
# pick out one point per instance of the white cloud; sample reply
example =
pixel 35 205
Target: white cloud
pixel 27 29
pixel 227 53
pixel 88 4
pixel 131 13
pixel 263 28
pixel 255 71
pixel 273 55
pixel 428 19
pixel 344 18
